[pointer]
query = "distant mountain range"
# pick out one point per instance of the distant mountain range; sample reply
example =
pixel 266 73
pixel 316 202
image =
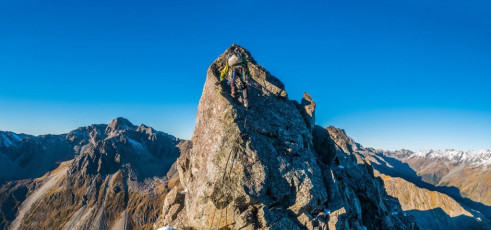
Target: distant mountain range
pixel 463 175
pixel 478 158
pixel 90 178
pixel 422 193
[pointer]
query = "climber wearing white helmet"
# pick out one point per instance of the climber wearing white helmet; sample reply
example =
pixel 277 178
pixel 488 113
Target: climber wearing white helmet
pixel 236 68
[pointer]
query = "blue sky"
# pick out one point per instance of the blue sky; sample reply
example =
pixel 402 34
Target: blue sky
pixel 393 74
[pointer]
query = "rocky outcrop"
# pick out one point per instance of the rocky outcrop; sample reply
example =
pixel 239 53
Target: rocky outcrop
pixel 116 179
pixel 307 109
pixel 266 168
pixel 432 208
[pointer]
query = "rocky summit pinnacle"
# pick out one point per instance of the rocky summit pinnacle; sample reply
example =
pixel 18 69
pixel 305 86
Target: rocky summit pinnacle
pixel 270 167
pixel 119 123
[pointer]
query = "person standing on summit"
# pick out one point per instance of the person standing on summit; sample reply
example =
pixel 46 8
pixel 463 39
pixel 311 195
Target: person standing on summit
pixel 237 68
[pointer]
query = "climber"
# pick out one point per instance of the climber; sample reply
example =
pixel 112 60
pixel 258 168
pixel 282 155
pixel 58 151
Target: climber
pixel 237 68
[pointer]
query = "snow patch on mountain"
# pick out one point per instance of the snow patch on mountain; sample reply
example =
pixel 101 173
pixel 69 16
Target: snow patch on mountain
pixel 137 146
pixel 86 147
pixel 6 140
pixel 472 157
pixel 15 136
pixel 166 228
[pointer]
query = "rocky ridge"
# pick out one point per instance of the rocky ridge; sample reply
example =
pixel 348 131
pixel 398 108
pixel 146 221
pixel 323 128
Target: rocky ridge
pixel 431 207
pixel 270 167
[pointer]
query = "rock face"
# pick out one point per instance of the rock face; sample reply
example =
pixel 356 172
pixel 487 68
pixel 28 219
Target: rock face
pixel 260 168
pixel 115 179
pixel 431 207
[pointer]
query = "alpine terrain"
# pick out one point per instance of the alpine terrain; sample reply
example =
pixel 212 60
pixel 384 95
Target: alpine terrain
pixel 271 167
pixel 96 177
pixel 433 207
pixel 268 166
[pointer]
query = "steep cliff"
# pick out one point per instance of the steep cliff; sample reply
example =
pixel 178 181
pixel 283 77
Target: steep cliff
pixel 270 167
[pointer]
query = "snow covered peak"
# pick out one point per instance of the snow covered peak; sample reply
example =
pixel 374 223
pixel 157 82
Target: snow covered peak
pixel 472 157
pixel 483 156
pixel 8 138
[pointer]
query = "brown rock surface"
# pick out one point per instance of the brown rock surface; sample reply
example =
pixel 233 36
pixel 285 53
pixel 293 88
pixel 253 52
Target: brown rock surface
pixel 259 169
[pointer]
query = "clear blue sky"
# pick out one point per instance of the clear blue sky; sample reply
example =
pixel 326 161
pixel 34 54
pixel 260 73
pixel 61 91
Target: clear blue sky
pixel 394 74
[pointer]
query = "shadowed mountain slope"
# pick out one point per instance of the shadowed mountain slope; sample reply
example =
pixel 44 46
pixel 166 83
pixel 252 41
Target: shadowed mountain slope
pixel 432 208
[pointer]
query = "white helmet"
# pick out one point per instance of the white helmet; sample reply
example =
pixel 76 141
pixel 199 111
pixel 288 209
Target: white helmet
pixel 234 59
